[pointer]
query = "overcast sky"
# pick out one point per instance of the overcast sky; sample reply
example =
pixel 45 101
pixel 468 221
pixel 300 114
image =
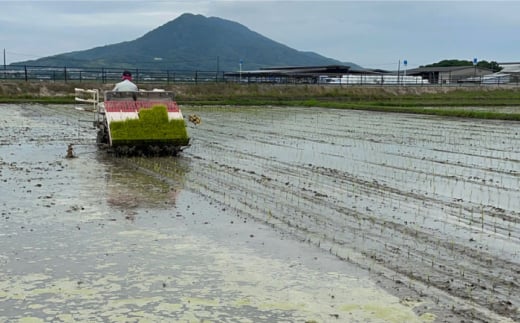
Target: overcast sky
pixel 373 34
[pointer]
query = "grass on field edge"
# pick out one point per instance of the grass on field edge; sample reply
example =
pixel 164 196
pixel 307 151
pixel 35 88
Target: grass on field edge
pixel 479 102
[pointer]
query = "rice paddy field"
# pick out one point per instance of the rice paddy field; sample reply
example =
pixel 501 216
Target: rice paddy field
pixel 271 215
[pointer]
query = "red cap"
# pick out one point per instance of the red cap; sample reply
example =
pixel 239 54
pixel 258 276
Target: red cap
pixel 127 76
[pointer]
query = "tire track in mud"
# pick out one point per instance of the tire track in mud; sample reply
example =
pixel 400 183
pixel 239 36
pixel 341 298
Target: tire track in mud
pixel 57 244
pixel 447 258
pixel 52 123
pixel 288 169
pixel 308 224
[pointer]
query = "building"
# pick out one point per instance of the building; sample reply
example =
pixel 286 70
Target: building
pixel 342 74
pixel 450 74
pixel 288 74
pixel 511 69
pixel 331 74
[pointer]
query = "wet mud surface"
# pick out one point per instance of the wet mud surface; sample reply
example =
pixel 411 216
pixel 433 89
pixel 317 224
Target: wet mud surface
pixel 272 215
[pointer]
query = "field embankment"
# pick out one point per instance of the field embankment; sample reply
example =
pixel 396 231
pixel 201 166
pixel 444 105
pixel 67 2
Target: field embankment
pixel 488 102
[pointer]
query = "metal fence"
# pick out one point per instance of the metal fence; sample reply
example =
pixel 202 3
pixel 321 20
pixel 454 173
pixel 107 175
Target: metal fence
pixel 142 76
pixel 106 75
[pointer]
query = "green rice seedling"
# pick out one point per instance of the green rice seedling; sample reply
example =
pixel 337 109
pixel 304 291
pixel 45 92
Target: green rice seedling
pixel 152 126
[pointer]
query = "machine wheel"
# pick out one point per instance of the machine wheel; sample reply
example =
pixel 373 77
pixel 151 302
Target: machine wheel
pixel 102 135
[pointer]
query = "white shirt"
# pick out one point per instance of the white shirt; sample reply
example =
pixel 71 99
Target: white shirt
pixel 125 86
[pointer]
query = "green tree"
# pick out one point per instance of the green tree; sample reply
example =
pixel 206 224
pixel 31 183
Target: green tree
pixel 456 62
pixel 491 65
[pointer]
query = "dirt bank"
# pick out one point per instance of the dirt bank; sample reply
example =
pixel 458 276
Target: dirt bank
pixel 212 90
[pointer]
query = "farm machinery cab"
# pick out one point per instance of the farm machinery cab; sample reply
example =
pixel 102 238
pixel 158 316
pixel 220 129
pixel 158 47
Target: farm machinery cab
pixel 144 123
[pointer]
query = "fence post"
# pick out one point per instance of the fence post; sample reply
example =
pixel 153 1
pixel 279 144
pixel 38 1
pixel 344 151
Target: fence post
pixel 65 74
pixel 196 76
pixel 168 77
pixel 25 71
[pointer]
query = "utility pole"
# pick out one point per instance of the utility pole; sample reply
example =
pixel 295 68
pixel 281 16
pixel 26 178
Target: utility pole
pixel 405 63
pixel 218 67
pixel 475 62
pixel 5 66
pixel 241 70
pixel 398 72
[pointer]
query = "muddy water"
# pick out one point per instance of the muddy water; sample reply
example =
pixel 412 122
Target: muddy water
pixel 272 215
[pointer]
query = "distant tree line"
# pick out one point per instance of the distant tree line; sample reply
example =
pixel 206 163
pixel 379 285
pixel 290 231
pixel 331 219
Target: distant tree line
pixel 457 62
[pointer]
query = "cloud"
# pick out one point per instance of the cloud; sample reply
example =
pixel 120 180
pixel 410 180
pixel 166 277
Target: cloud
pixel 369 33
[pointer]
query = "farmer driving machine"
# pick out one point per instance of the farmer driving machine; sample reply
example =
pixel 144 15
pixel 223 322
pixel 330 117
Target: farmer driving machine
pixel 144 123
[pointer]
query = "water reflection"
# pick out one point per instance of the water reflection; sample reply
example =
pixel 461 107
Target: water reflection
pixel 140 182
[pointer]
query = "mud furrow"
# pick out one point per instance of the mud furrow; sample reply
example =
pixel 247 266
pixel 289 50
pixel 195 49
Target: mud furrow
pixel 356 186
pixel 398 197
pixel 312 216
pixel 293 215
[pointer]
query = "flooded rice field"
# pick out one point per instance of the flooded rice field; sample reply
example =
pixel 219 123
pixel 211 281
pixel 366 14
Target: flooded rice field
pixel 272 215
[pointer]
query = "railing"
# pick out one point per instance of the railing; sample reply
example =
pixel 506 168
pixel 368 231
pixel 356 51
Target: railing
pixel 142 76
pixel 105 75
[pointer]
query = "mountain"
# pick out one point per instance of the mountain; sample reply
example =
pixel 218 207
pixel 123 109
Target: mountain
pixel 191 42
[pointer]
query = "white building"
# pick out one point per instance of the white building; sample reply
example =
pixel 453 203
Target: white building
pixel 365 79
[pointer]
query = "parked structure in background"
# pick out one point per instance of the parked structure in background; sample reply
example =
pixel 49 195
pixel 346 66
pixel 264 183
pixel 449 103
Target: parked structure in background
pixel 371 79
pixel 333 74
pixel 450 74
pixel 512 70
pixel 288 74
pixel 510 73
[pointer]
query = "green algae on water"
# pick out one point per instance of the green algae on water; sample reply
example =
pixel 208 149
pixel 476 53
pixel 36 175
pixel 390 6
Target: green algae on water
pixel 152 126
